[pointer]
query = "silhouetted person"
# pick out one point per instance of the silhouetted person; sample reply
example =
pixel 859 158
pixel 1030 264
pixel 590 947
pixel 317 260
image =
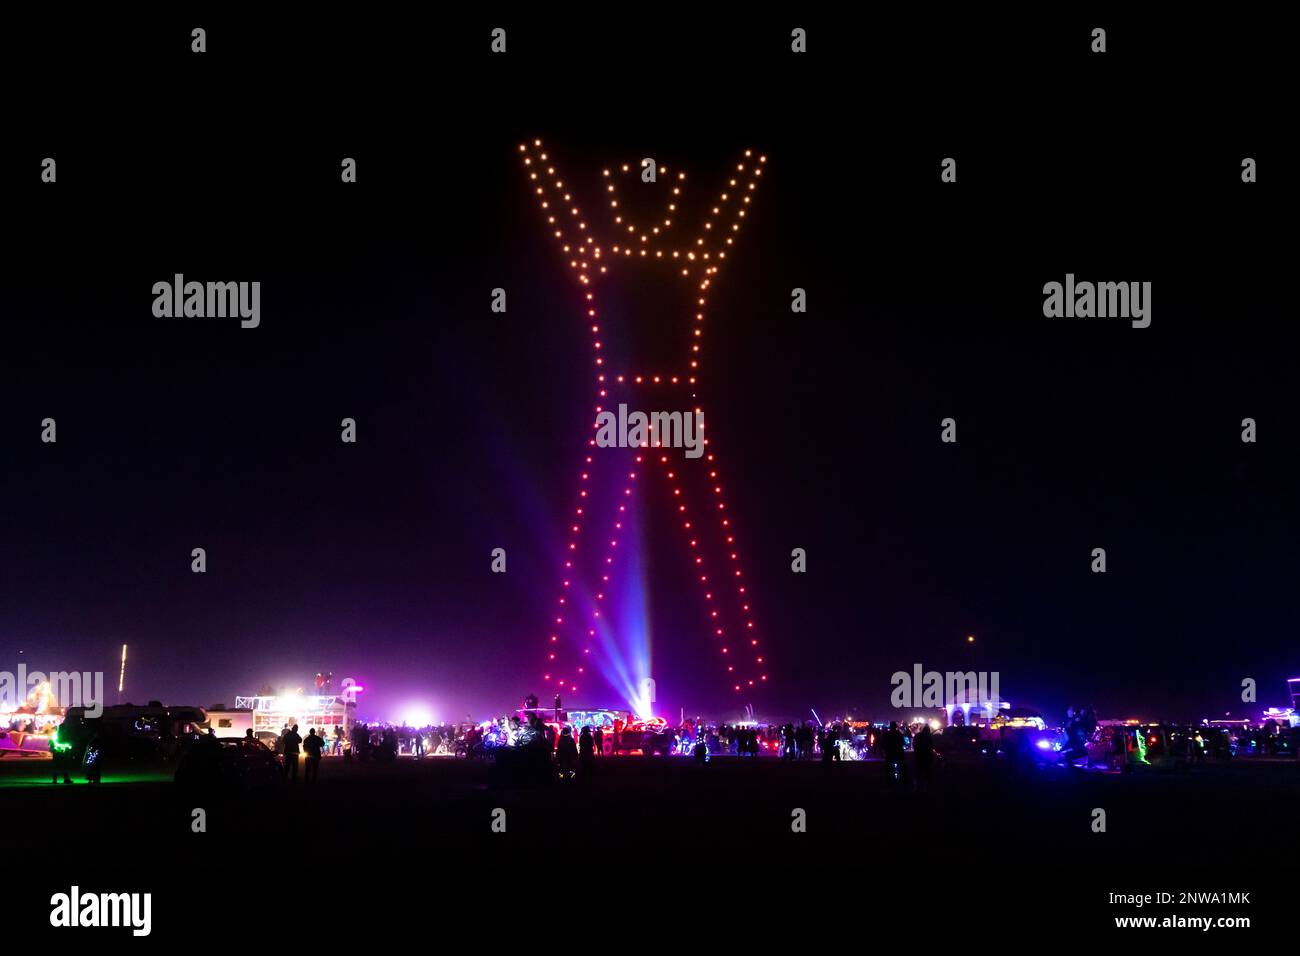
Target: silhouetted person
pixel 249 739
pixel 599 738
pixel 586 752
pixel 313 745
pixel 830 744
pixel 291 741
pixel 893 746
pixel 94 768
pixel 923 747
pixel 567 752
pixel 1089 722
pixel 388 745
pixel 61 759
pixel 361 741
pixel 211 746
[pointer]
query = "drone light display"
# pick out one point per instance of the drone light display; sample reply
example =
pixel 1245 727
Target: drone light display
pixel 595 258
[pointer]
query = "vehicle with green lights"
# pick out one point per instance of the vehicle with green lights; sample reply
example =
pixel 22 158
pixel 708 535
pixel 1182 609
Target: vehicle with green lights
pixel 129 738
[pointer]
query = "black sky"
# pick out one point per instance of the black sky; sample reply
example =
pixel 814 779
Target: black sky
pixel 924 302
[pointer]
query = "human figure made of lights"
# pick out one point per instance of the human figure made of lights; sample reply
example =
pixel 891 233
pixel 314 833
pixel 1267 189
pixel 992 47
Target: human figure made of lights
pixel 579 623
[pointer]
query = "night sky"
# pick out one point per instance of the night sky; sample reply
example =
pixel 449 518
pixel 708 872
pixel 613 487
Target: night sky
pixel 372 560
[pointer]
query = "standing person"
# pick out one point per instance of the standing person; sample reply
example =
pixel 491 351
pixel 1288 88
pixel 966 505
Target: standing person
pixel 361 741
pixel 923 747
pixel 567 753
pixel 338 740
pixel 893 746
pixel 291 741
pixel 313 745
pixel 60 760
pixel 599 738
pixel 94 768
pixel 830 745
pixel 1089 732
pixel 586 752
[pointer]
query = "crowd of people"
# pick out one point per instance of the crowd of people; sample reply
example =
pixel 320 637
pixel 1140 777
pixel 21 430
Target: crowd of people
pixel 571 749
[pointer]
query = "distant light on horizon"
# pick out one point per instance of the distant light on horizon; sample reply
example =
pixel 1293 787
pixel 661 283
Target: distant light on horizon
pixel 418 715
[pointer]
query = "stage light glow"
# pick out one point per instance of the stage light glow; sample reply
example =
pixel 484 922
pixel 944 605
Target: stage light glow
pixel 418 715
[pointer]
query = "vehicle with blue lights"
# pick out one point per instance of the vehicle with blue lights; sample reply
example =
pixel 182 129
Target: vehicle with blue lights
pixel 129 738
